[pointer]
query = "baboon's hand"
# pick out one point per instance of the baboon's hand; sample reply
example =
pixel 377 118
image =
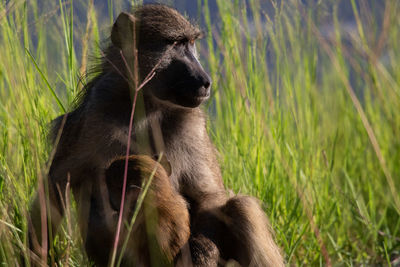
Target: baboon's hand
pixel 204 251
pixel 140 168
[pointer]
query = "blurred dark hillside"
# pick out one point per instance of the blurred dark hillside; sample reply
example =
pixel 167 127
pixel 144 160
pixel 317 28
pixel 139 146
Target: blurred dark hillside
pixel 370 14
pixel 323 11
pixel 345 12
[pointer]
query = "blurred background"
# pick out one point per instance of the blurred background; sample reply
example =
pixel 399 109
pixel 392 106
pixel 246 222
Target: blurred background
pixel 304 114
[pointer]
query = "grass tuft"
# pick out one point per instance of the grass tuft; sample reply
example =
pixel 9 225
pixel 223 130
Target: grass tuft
pixel 304 114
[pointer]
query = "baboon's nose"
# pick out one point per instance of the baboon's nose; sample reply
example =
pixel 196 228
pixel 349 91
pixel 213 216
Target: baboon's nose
pixel 206 84
pixel 206 80
pixel 204 90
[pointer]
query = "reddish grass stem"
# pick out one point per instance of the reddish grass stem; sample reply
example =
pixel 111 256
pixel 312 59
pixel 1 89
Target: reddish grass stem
pixel 43 219
pixel 134 77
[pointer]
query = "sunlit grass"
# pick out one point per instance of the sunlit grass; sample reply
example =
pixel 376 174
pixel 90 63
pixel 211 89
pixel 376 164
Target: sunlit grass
pixel 324 162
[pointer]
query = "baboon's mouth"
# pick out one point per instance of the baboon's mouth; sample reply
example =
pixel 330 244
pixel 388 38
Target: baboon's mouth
pixel 203 96
pixel 200 99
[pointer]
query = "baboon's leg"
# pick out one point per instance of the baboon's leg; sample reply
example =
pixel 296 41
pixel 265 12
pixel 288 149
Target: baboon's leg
pixel 162 226
pixel 248 238
pixel 96 221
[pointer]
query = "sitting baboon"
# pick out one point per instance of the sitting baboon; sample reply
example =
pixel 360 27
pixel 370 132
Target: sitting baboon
pixel 152 49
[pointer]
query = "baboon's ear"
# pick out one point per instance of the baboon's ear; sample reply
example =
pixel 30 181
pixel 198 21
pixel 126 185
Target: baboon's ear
pixel 123 29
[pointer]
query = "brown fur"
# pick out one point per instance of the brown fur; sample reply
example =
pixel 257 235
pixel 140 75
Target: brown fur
pixel 93 144
pixel 171 228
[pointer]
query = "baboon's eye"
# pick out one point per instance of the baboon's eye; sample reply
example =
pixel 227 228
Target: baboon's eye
pixel 191 42
pixel 181 41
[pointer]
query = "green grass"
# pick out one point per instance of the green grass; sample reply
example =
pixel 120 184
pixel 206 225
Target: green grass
pixel 309 125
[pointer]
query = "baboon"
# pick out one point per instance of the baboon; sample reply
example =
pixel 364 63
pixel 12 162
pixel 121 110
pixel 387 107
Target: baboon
pixel 188 217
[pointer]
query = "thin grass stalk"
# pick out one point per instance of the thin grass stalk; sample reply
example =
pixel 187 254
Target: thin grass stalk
pixel 137 89
pixel 67 208
pixel 138 206
pixel 121 210
pixel 111 11
pixel 134 78
pixel 43 219
pixel 85 40
pixel 46 82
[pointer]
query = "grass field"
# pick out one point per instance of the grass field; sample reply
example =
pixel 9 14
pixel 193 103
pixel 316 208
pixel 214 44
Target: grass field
pixel 305 119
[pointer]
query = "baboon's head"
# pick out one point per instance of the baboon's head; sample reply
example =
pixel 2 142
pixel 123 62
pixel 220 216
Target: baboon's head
pixel 164 36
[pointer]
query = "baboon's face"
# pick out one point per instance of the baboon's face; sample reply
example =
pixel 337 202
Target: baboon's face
pixel 181 80
pixel 167 40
